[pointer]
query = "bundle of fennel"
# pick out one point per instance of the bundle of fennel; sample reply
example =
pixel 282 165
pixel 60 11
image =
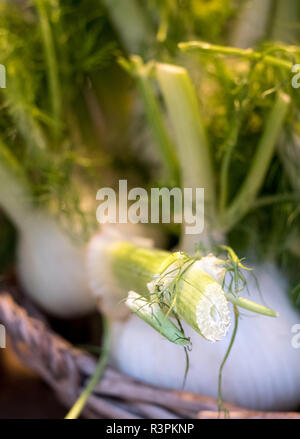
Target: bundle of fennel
pixel 55 139
pixel 241 153
pixel 246 379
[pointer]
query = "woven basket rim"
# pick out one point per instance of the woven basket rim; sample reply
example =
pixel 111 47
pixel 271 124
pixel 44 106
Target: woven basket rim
pixel 117 396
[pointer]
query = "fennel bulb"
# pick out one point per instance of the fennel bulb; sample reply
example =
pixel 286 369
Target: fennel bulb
pixel 51 268
pixel 50 265
pixel 262 371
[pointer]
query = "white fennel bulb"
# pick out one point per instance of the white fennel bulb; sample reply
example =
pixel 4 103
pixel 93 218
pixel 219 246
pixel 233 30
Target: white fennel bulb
pixel 50 265
pixel 51 268
pixel 262 371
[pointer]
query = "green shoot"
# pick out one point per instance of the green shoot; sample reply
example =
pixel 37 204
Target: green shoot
pixel 260 164
pixel 142 73
pixel 234 333
pixel 131 23
pixel 54 85
pixel 248 54
pixel 77 408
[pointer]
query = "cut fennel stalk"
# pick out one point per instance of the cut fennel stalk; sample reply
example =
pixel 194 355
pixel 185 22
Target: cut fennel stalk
pixel 164 286
pixel 152 314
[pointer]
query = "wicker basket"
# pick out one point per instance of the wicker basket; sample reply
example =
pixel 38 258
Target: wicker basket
pixel 117 396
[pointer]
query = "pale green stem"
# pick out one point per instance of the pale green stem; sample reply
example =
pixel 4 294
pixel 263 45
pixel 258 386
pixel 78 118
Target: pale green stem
pixel 154 115
pixel 230 144
pixel 77 408
pixel 251 306
pixel 162 31
pixel 131 23
pixel 250 54
pixel 55 92
pixel 236 321
pixel 30 131
pixel 276 199
pixel 224 180
pixel 245 198
pixel 187 123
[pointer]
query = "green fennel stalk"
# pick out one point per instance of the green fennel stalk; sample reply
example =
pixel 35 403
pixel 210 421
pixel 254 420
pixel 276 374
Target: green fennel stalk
pixel 220 375
pixel 249 54
pixel 260 163
pixel 131 23
pixel 77 408
pixel 224 174
pixel 183 109
pixel 142 72
pixel 187 123
pixel 52 71
pixel 250 306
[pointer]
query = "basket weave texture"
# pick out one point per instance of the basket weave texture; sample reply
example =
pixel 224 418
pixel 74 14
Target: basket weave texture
pixel 117 396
